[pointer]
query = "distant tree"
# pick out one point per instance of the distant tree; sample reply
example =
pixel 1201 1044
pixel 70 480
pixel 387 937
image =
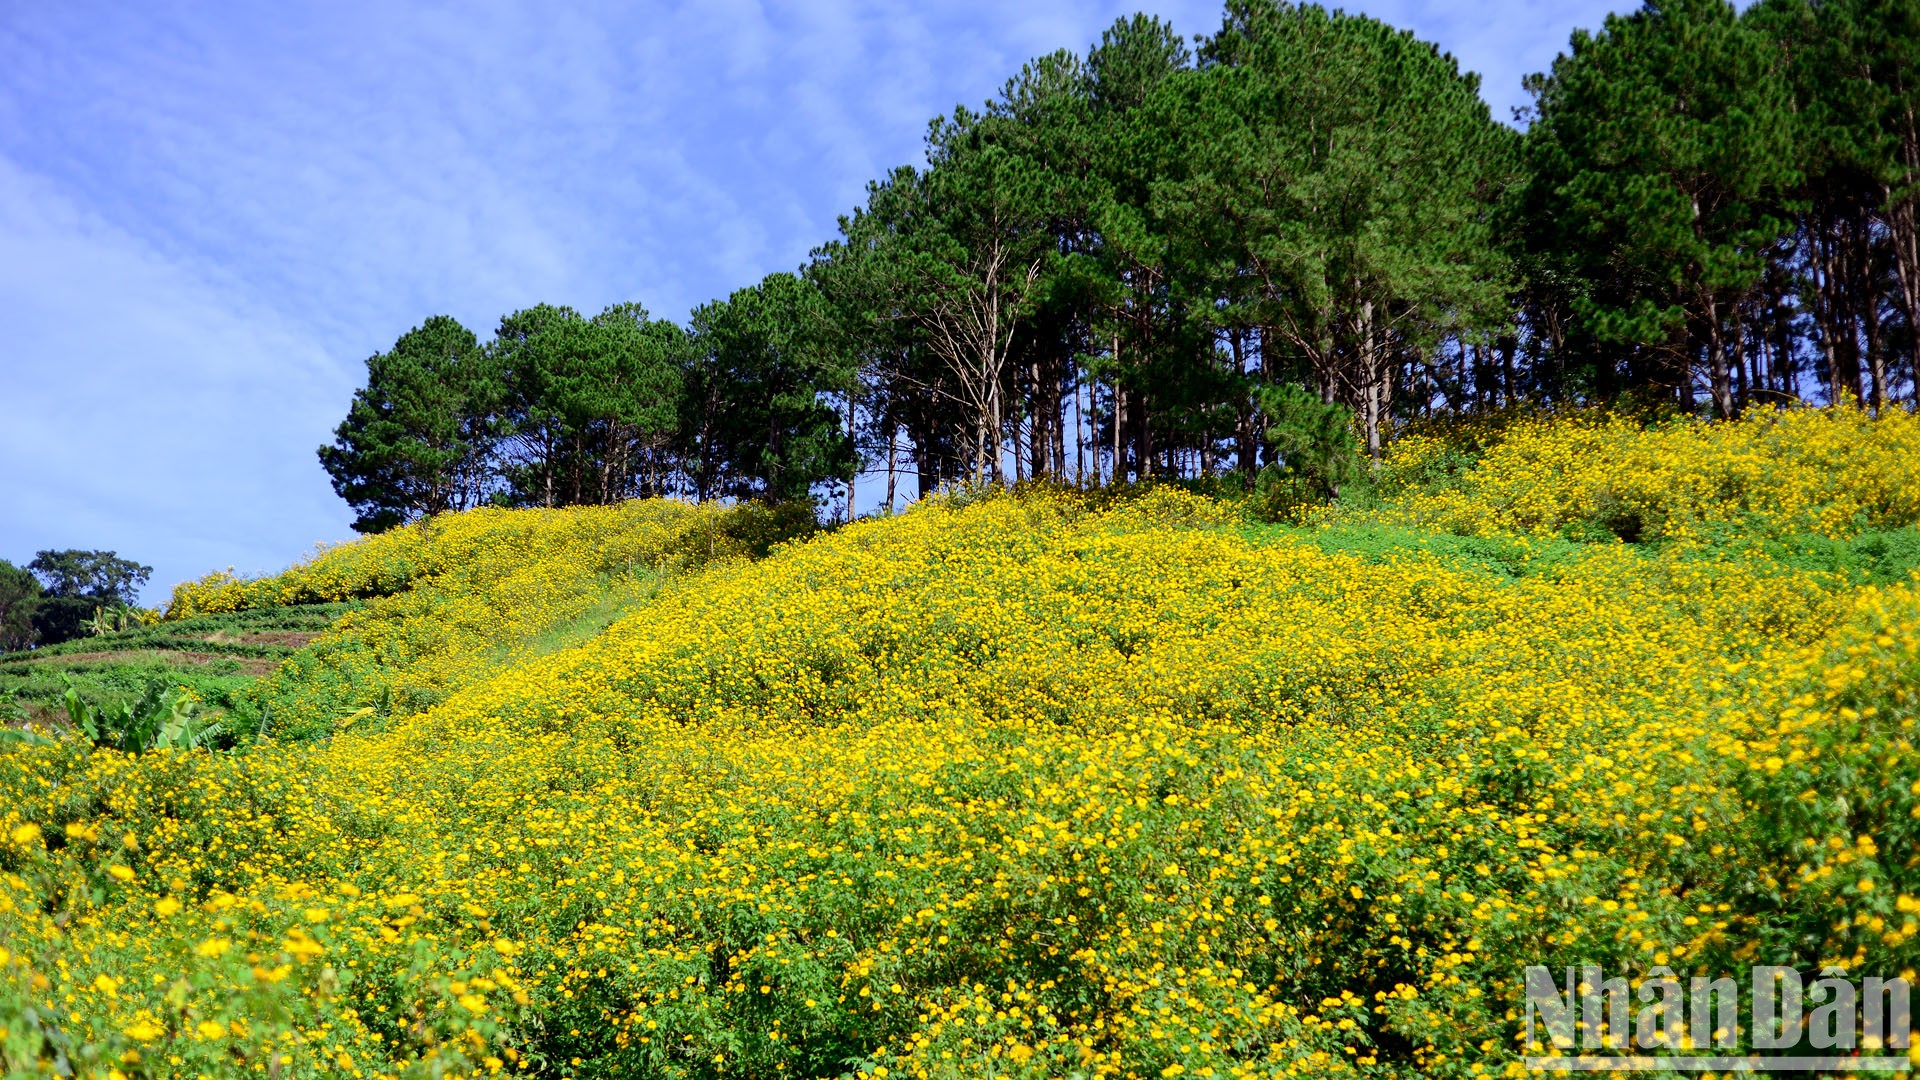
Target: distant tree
pixel 533 350
pixel 590 406
pixel 1657 150
pixel 641 367
pixel 418 437
pixel 1352 166
pixel 77 584
pixel 762 420
pixel 949 243
pixel 910 393
pixel 1850 65
pixel 19 601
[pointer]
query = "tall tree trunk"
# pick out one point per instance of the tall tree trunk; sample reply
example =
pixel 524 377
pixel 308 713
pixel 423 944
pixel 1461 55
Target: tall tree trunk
pixel 1737 361
pixel 1143 433
pixel 1461 399
pixel 1019 455
pixel 1057 422
pixel 1821 263
pixel 1903 224
pixel 1903 228
pixel 1876 351
pixel 1370 364
pixel 1082 392
pixel 926 475
pixel 1244 451
pixel 893 462
pixel 1721 382
pixel 1119 468
pixel 980 448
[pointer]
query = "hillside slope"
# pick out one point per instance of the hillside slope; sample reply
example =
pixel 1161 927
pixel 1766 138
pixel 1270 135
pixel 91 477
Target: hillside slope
pixel 1044 785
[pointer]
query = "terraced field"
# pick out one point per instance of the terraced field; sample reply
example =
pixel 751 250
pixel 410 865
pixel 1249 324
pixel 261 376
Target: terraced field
pixel 214 655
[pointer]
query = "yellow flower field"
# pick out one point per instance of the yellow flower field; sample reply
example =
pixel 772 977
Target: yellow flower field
pixel 1035 786
pixel 465 595
pixel 1824 471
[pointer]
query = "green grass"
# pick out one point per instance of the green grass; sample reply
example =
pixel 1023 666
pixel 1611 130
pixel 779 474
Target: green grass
pixel 615 602
pixel 1869 558
pixel 1501 556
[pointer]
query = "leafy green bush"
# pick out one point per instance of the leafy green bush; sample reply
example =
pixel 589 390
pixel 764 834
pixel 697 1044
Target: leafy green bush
pixel 747 530
pixel 1318 453
pixel 1883 557
pixel 1380 542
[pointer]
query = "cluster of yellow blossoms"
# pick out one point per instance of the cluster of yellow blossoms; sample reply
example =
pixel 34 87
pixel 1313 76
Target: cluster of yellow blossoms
pixel 1031 787
pixel 1773 473
pixel 450 600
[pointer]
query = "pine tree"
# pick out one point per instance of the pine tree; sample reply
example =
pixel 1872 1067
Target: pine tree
pixel 417 438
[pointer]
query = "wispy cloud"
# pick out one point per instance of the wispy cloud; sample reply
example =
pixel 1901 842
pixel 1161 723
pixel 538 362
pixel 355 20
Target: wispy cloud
pixel 210 213
pixel 147 410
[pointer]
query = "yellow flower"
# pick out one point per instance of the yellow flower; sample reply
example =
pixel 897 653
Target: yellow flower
pixel 143 1030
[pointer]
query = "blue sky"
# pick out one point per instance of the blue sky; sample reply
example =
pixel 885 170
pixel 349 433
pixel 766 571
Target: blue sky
pixel 212 213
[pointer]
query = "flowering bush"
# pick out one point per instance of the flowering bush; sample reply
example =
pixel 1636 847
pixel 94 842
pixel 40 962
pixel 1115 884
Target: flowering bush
pixel 1038 786
pixel 479 591
pixel 1773 473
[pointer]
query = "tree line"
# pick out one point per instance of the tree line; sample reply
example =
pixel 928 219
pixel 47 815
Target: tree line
pixel 1175 258
pixel 62 595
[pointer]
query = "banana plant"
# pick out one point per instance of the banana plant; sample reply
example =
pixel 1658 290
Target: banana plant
pixel 162 718
pixel 118 617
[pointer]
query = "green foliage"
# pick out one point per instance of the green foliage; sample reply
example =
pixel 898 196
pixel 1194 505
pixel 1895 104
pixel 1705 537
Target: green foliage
pixel 1849 66
pixel 214 658
pixel 590 407
pixel 1349 166
pixel 1503 556
pixel 1879 557
pixel 114 619
pixel 161 718
pixel 1656 148
pixel 758 416
pixel 416 438
pixel 260 633
pixel 19 602
pixel 90 575
pixel 78 584
pixel 749 530
pixel 1317 452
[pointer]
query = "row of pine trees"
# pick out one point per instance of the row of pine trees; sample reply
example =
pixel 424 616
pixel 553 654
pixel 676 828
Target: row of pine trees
pixel 1139 261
